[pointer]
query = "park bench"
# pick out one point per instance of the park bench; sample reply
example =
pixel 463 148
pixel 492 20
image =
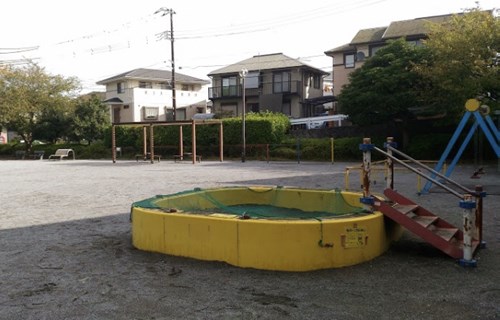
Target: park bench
pixel 62 154
pixel 147 157
pixel 20 154
pixel 38 154
pixel 178 157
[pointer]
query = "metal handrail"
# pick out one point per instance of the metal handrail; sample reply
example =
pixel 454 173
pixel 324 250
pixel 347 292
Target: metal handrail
pixel 439 174
pixel 458 195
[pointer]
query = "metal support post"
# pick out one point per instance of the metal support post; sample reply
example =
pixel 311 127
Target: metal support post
pixel 468 206
pixel 367 200
pixel 390 163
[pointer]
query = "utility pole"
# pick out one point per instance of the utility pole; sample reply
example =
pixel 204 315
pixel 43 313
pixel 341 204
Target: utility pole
pixel 171 12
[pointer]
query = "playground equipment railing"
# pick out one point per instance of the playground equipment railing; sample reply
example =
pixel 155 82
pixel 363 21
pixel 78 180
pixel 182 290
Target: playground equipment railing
pixel 381 166
pixel 466 202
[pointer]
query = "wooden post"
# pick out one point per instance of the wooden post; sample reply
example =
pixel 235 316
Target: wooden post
pixel 221 142
pixel 181 144
pixel 332 148
pixel 151 143
pixel 193 140
pixel 113 143
pixel 145 142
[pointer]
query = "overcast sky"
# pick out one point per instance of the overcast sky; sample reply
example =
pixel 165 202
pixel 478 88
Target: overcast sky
pixel 94 40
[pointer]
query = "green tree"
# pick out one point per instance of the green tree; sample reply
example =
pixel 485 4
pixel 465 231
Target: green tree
pixel 90 119
pixel 465 60
pixel 386 87
pixel 28 94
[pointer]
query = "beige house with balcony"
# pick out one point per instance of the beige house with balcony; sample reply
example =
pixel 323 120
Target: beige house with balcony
pixel 273 82
pixel 366 42
pixel 146 95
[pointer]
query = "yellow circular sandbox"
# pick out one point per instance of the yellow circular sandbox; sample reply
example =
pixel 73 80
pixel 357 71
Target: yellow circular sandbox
pixel 162 224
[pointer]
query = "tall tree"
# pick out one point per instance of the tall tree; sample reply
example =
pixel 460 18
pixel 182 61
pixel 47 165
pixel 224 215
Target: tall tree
pixel 28 94
pixel 465 60
pixel 386 86
pixel 90 119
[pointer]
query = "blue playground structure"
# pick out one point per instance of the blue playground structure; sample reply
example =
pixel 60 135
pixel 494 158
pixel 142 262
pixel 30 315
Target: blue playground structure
pixel 482 120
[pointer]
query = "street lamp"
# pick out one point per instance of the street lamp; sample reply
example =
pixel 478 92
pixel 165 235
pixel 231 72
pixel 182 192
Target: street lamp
pixel 243 74
pixel 164 11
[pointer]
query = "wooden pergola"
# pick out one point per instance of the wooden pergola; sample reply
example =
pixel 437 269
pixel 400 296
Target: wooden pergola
pixel 180 123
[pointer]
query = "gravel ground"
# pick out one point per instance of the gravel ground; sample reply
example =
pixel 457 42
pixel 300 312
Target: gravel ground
pixel 66 250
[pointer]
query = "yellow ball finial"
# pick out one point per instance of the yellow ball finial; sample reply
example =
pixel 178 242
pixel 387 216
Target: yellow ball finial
pixel 472 105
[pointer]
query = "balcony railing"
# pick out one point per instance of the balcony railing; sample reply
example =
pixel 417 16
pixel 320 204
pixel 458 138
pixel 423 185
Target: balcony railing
pixel 290 87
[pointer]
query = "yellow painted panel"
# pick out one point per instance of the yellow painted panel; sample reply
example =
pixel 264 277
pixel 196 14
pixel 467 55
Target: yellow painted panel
pixel 201 237
pixel 148 229
pixel 286 245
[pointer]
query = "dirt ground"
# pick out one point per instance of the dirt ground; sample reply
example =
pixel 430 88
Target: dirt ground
pixel 66 253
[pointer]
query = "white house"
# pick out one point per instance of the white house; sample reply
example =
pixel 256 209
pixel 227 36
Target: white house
pixel 146 95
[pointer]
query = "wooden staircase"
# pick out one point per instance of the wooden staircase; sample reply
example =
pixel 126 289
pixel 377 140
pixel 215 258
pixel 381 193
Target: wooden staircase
pixel 423 223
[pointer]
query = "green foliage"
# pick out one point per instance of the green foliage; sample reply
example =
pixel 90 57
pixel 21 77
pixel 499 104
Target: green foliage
pixel 95 150
pixel 28 98
pixel 90 119
pixel 386 86
pixel 463 64
pixel 427 146
pixel 260 128
pixel 125 137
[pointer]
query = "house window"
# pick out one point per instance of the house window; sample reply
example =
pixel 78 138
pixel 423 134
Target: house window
pixel 120 88
pixel 281 82
pixel 349 60
pixel 286 108
pixel 228 110
pixel 150 113
pixel 180 114
pixel 374 49
pixel 316 81
pixel 165 86
pixel 229 86
pixel 185 87
pixel 252 80
pixel 145 84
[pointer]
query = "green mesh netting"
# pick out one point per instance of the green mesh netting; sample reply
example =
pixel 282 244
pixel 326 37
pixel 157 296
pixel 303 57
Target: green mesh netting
pixel 204 202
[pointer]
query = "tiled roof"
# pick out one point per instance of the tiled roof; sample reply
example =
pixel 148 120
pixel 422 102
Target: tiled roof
pixel 414 27
pixel 418 27
pixel 369 35
pixel 344 48
pixel 154 75
pixel 264 62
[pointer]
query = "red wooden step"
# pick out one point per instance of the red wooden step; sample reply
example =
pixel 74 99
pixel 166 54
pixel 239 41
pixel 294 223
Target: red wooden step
pixel 404 209
pixel 445 233
pixel 424 221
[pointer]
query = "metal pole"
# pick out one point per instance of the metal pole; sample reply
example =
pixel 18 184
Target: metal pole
pixel 468 205
pixel 367 200
pixel 243 74
pixel 390 164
